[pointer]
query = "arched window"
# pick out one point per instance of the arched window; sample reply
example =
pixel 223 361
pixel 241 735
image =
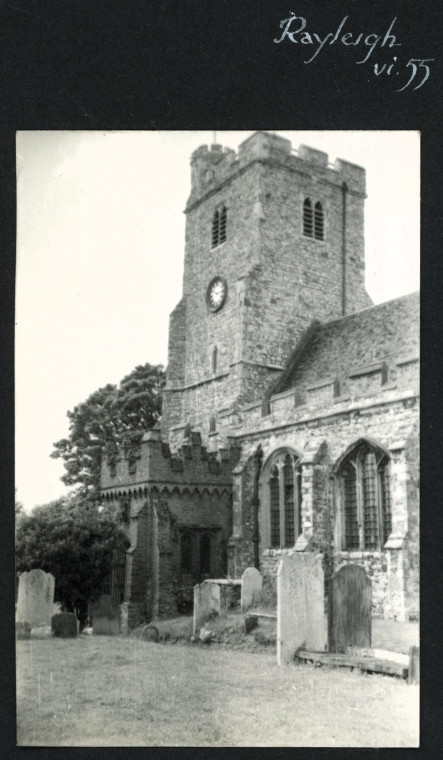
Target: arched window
pixel 313 220
pixel 281 500
pixel 219 222
pixel 214 359
pixel 186 553
pixel 365 514
pixel 308 226
pixel 212 425
pixel 205 554
pixel 319 222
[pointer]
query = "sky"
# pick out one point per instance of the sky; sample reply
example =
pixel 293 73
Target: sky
pixel 100 245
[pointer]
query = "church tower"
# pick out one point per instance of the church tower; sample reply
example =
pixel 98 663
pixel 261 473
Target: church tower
pixel 274 240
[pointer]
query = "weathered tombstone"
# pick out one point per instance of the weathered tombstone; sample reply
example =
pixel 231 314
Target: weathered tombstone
pixel 35 598
pixel 41 632
pixel 349 609
pixel 106 617
pixel 251 589
pixel 22 631
pixel 150 633
pixel 64 625
pixel 300 605
pixel 206 603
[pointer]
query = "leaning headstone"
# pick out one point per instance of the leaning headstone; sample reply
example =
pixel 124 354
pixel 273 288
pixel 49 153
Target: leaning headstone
pixel 22 631
pixel 106 617
pixel 35 598
pixel 64 625
pixel 300 605
pixel 349 609
pixel 251 589
pixel 206 603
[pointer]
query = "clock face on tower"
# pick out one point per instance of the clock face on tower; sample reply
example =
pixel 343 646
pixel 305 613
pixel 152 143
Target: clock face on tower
pixel 216 293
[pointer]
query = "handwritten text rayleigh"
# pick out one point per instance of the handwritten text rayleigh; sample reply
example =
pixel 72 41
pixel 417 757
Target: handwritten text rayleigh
pixel 294 30
pixel 371 40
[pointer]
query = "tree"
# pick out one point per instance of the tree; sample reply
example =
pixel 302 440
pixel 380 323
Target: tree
pixel 74 541
pixel 109 415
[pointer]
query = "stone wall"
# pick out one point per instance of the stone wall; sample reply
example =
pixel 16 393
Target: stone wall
pixel 278 279
pixel 322 440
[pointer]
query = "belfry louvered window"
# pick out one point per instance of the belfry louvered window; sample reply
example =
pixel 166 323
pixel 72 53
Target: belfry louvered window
pixel 219 223
pixel 313 220
pixel 308 225
pixel 365 497
pixel 281 500
pixel 319 222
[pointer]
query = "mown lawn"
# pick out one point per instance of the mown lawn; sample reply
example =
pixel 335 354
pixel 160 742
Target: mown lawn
pixel 104 691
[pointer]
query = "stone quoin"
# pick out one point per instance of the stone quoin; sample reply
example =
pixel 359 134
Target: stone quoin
pixel 290 410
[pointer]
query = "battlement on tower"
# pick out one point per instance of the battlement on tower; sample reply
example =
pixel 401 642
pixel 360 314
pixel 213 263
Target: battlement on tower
pixel 214 165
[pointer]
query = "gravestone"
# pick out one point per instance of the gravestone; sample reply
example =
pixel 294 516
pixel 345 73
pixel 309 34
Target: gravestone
pixel 106 617
pixel 41 632
pixel 206 603
pixel 300 605
pixel 150 633
pixel 349 609
pixel 251 589
pixel 64 625
pixel 22 631
pixel 35 598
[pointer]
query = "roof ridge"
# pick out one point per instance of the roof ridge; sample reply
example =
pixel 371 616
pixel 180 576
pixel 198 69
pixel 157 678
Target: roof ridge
pixel 368 308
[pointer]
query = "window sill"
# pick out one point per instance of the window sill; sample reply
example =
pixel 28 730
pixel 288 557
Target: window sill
pixel 313 239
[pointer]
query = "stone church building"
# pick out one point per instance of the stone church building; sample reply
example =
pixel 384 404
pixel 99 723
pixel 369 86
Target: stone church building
pixel 290 410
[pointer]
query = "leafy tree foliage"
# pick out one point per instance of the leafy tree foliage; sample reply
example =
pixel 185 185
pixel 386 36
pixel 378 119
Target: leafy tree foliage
pixel 74 541
pixel 109 415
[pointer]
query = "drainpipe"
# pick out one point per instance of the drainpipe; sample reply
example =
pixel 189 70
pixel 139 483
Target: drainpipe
pixel 258 457
pixel 344 190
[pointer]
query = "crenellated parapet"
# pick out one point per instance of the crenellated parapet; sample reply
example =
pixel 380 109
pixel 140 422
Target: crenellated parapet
pixel 212 165
pixel 135 468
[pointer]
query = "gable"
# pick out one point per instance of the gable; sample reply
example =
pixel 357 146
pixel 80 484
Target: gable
pixel 377 345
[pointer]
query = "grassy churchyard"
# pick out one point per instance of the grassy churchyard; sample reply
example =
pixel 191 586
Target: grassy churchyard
pixel 123 691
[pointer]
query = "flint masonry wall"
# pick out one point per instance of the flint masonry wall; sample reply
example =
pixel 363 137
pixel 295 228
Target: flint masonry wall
pixel 161 497
pixel 278 280
pixel 384 424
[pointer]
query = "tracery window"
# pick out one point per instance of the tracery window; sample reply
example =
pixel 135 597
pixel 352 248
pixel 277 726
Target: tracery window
pixel 365 499
pixel 281 498
pixel 219 224
pixel 313 220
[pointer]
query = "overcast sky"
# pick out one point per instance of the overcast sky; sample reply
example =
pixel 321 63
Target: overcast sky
pixel 100 260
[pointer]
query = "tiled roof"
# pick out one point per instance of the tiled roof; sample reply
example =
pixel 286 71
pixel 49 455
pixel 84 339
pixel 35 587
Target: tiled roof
pixel 385 333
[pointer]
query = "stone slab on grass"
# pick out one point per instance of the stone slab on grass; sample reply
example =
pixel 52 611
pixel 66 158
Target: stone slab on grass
pixel 300 605
pixel 206 603
pixel 106 617
pixel 35 599
pixel 251 589
pixel 64 625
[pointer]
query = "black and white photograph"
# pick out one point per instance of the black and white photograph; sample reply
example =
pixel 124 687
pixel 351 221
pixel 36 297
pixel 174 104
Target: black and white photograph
pixel 217 438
